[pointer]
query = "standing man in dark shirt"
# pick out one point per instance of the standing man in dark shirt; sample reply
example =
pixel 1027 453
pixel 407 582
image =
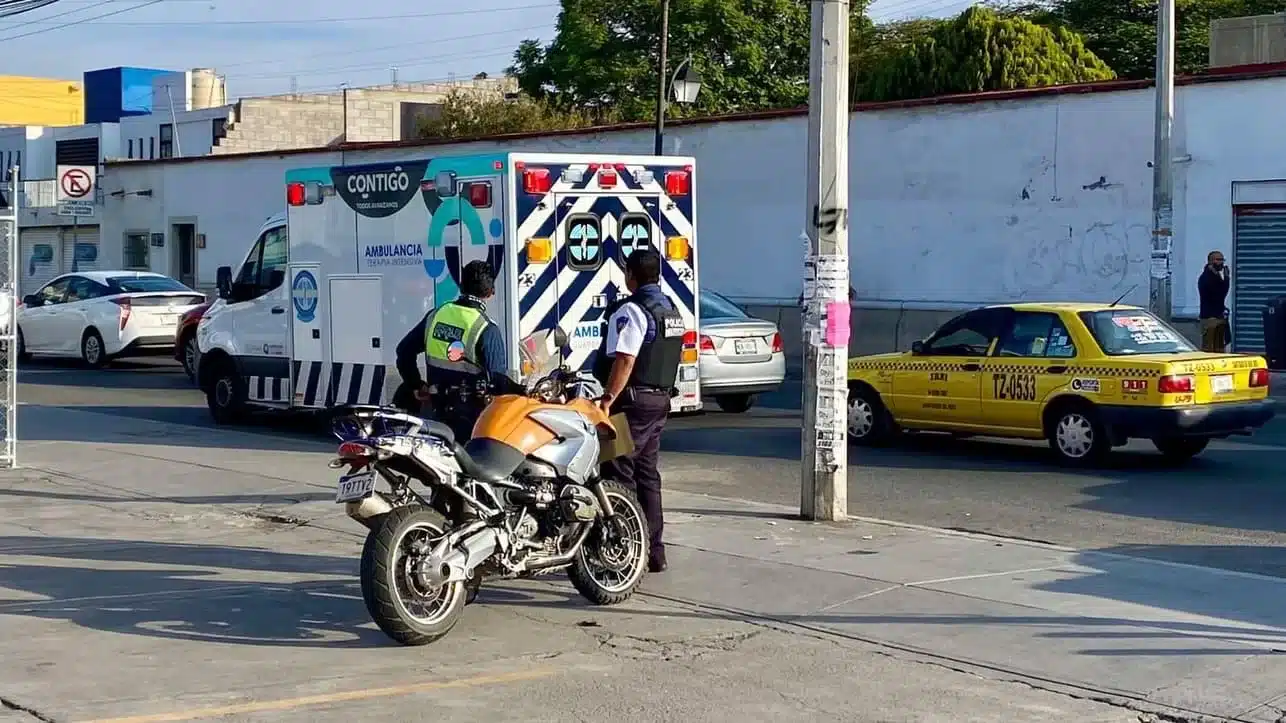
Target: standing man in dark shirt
pixel 463 347
pixel 637 364
pixel 1212 288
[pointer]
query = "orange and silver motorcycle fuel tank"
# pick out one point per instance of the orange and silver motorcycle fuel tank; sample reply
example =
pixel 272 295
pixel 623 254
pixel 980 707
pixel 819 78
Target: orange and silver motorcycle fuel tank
pixel 563 436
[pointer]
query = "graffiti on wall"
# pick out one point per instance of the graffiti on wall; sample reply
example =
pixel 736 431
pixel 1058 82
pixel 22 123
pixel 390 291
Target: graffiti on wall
pixel 1097 259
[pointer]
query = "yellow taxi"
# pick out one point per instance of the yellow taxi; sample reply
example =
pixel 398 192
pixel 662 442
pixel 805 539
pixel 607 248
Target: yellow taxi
pixel 1086 377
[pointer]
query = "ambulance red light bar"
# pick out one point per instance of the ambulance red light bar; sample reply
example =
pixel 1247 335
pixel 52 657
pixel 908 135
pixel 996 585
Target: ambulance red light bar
pixel 301 194
pixel 536 180
pixel 607 177
pixel 678 183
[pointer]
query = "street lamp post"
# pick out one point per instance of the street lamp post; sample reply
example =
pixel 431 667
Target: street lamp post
pixel 685 84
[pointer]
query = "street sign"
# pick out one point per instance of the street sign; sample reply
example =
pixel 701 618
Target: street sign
pixel 76 209
pixel 76 183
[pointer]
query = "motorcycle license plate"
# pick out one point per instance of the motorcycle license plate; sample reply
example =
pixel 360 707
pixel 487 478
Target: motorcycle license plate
pixel 356 486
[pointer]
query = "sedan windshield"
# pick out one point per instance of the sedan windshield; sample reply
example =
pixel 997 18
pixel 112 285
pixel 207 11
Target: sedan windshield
pixel 1124 332
pixel 143 284
pixel 714 306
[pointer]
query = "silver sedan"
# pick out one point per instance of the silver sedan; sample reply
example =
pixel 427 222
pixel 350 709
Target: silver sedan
pixel 741 356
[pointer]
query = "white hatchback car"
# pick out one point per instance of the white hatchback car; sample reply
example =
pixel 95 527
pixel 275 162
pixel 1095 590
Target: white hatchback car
pixel 103 315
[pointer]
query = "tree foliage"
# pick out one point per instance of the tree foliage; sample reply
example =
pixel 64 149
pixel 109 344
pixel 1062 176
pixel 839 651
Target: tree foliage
pixel 982 50
pixel 463 115
pixel 751 54
pixel 1123 32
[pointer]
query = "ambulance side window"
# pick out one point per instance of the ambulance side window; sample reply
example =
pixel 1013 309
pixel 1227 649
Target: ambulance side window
pixel 635 233
pixel 249 274
pixel 273 266
pixel 584 242
pixel 265 266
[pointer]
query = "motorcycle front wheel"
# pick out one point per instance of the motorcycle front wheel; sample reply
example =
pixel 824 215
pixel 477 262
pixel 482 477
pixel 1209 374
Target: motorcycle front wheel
pixel 399 600
pixel 610 564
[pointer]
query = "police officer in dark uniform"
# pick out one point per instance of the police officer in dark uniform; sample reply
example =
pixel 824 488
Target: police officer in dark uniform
pixel 637 364
pixel 465 352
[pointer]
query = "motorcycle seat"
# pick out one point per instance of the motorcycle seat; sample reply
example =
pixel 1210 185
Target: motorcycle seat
pixel 438 429
pixel 487 460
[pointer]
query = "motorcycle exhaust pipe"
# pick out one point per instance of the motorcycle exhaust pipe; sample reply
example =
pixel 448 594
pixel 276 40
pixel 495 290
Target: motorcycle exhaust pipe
pixel 566 557
pixel 366 511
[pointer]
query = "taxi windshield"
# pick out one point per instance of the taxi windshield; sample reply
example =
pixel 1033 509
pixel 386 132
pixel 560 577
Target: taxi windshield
pixel 1125 332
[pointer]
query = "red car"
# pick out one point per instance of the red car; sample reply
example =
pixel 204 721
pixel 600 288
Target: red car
pixel 185 348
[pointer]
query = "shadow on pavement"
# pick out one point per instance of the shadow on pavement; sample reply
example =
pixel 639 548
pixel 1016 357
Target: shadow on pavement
pixel 182 592
pixel 255 500
pixel 150 373
pixel 102 424
pixel 226 595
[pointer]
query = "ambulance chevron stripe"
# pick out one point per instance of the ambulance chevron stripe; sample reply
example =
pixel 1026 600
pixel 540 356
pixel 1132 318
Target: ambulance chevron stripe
pixel 355 384
pixel 267 389
pixel 310 383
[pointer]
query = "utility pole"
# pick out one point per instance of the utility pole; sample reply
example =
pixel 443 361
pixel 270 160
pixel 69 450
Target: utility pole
pixel 1163 166
pixel 824 489
pixel 661 79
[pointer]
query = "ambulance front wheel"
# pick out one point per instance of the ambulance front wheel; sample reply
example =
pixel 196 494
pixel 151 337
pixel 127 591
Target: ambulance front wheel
pixel 225 393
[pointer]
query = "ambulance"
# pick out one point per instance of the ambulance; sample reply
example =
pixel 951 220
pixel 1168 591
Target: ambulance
pixel 311 319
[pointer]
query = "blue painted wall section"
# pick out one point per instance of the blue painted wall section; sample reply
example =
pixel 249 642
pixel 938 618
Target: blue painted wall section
pixel 115 93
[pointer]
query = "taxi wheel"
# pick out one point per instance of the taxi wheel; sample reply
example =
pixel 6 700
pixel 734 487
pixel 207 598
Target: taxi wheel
pixel 1180 449
pixel 1077 435
pixel 869 422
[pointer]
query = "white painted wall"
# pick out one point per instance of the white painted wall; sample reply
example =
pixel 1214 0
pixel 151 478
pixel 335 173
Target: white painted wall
pixel 953 205
pixel 230 200
pixel 194 131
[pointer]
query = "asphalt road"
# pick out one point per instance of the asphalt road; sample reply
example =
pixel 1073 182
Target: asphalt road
pixel 1224 509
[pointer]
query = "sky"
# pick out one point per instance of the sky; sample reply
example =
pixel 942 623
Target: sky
pixel 265 47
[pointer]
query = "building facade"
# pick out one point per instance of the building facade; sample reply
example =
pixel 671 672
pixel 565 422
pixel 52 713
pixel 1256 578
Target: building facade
pixel 151 114
pixel 1001 197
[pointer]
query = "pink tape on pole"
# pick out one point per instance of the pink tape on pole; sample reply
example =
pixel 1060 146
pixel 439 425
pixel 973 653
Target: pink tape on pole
pixel 837 324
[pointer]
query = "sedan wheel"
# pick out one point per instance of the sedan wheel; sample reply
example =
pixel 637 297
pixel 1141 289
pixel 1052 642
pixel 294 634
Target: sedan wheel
pixel 869 423
pixel 861 418
pixel 1079 438
pixel 190 354
pixel 92 351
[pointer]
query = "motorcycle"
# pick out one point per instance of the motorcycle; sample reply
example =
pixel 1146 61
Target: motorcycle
pixel 522 497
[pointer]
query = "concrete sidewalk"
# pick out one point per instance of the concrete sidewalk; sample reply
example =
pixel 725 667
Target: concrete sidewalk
pixel 789 613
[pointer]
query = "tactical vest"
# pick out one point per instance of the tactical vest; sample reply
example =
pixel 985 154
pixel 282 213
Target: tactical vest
pixel 657 364
pixel 451 338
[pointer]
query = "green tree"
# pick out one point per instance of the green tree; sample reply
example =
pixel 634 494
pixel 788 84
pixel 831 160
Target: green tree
pixel 982 50
pixel 465 115
pixel 751 54
pixel 1123 32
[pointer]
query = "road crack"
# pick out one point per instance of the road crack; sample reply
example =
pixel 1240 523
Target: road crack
pixel 10 704
pixel 645 647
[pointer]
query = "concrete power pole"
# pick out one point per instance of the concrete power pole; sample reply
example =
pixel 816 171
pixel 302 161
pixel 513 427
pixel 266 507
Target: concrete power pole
pixel 1163 166
pixel 824 489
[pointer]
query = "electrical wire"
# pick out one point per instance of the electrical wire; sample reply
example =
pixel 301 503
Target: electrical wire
pixel 308 21
pixel 381 64
pixel 69 24
pixel 903 9
pixel 45 20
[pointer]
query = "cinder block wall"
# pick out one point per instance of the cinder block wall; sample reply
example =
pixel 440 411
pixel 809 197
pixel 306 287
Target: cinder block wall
pixel 318 119
pixel 876 331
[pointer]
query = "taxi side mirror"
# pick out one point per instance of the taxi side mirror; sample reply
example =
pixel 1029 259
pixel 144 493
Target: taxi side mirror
pixel 917 347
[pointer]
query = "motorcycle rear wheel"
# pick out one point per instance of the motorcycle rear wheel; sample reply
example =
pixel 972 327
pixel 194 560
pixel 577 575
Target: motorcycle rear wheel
pixel 609 567
pixel 394 598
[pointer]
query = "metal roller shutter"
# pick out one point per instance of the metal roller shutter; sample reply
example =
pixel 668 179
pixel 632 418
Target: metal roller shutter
pixel 80 249
pixel 1258 272
pixel 41 257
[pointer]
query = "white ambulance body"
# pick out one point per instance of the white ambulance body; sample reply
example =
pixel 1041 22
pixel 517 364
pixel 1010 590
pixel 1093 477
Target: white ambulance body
pixel 312 318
